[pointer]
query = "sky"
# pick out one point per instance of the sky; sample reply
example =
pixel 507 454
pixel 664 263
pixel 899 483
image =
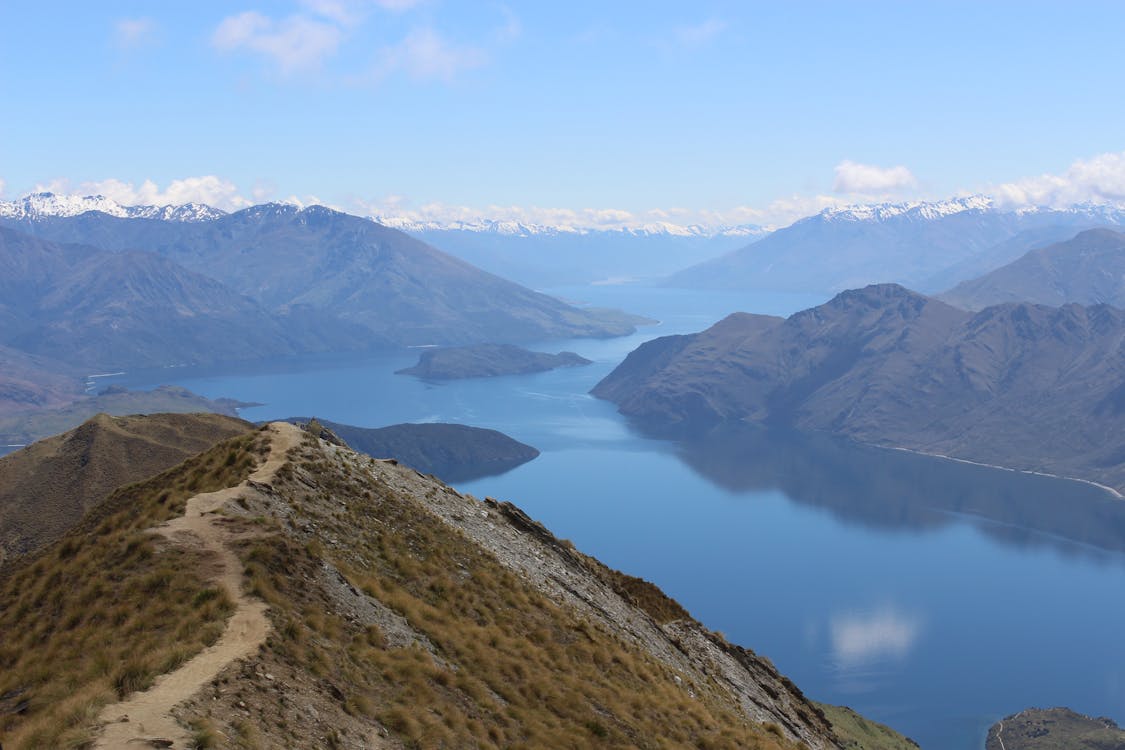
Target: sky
pixel 587 113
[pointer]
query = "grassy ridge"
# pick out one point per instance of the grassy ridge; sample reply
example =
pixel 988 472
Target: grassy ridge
pixel 103 611
pixel 495 663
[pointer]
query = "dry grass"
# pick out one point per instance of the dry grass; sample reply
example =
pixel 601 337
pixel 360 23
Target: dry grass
pixel 509 667
pixel 102 612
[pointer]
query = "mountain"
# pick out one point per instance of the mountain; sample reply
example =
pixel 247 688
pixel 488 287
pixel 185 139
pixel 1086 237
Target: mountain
pixel 926 246
pixel 487 360
pixel 46 488
pixel 1088 269
pixel 297 594
pixel 401 290
pixel 96 309
pixel 547 256
pixel 1019 385
pixel 42 205
pixel 453 452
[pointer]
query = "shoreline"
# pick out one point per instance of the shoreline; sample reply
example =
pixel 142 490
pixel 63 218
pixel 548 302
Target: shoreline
pixel 1105 487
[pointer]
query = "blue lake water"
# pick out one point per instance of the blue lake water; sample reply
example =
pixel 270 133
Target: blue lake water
pixel 934 596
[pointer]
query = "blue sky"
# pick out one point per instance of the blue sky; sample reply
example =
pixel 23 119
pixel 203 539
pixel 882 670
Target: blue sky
pixel 578 111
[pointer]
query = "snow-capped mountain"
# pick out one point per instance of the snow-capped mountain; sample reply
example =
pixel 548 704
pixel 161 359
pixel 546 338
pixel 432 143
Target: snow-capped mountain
pixel 546 256
pixel 521 229
pixel 927 246
pixel 41 205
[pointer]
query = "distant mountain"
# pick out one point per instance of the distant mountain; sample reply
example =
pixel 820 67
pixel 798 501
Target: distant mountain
pixel 97 309
pixel 1089 270
pixel 403 291
pixel 544 256
pixel 926 246
pixel 1018 385
pixel 487 360
pixel 453 452
pixel 41 205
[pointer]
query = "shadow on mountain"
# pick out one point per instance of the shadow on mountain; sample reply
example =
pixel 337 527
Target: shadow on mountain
pixel 895 490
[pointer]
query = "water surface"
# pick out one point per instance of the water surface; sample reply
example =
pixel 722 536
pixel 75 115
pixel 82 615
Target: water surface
pixel 931 595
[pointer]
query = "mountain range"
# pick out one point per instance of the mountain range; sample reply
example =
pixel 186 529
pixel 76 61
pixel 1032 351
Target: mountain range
pixel 547 256
pixel 1019 385
pixel 327 263
pixel 926 246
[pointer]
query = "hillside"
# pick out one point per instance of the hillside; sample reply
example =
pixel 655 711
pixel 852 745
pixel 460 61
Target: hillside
pixel 311 596
pixel 401 290
pixel 46 488
pixel 30 382
pixel 1025 386
pixel 452 452
pixel 100 310
pixel 1088 269
pixel 486 361
pixel 926 246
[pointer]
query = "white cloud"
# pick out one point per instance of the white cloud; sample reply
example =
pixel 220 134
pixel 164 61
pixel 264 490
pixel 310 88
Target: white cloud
pixel 209 189
pixel 1100 179
pixel 131 33
pixel 2 186
pixel 426 55
pixel 700 34
pixel 868 179
pixel 293 43
pixel 858 639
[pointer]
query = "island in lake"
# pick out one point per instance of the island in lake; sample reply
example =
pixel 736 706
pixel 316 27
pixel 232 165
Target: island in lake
pixel 453 452
pixel 487 360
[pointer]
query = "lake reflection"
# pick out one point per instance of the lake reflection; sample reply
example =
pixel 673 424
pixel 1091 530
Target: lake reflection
pixel 889 489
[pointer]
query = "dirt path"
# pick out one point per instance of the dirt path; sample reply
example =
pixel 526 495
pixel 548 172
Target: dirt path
pixel 149 712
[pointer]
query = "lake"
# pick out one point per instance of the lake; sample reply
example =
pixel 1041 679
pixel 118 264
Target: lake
pixel 931 595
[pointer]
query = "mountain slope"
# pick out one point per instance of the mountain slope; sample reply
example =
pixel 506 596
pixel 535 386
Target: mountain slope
pixel 1088 269
pixel 548 256
pixel 927 246
pixel 1024 385
pixel 46 488
pixel 399 288
pixel 96 309
pixel 400 614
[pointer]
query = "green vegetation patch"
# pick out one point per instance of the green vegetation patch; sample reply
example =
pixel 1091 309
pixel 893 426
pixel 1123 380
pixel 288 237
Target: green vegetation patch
pixel 858 733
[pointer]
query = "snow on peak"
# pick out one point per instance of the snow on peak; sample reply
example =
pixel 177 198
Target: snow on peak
pixel 910 209
pixel 514 228
pixel 41 205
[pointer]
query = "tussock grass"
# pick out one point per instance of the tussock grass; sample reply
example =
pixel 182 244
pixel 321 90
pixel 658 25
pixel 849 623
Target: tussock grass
pixel 103 611
pixel 509 667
